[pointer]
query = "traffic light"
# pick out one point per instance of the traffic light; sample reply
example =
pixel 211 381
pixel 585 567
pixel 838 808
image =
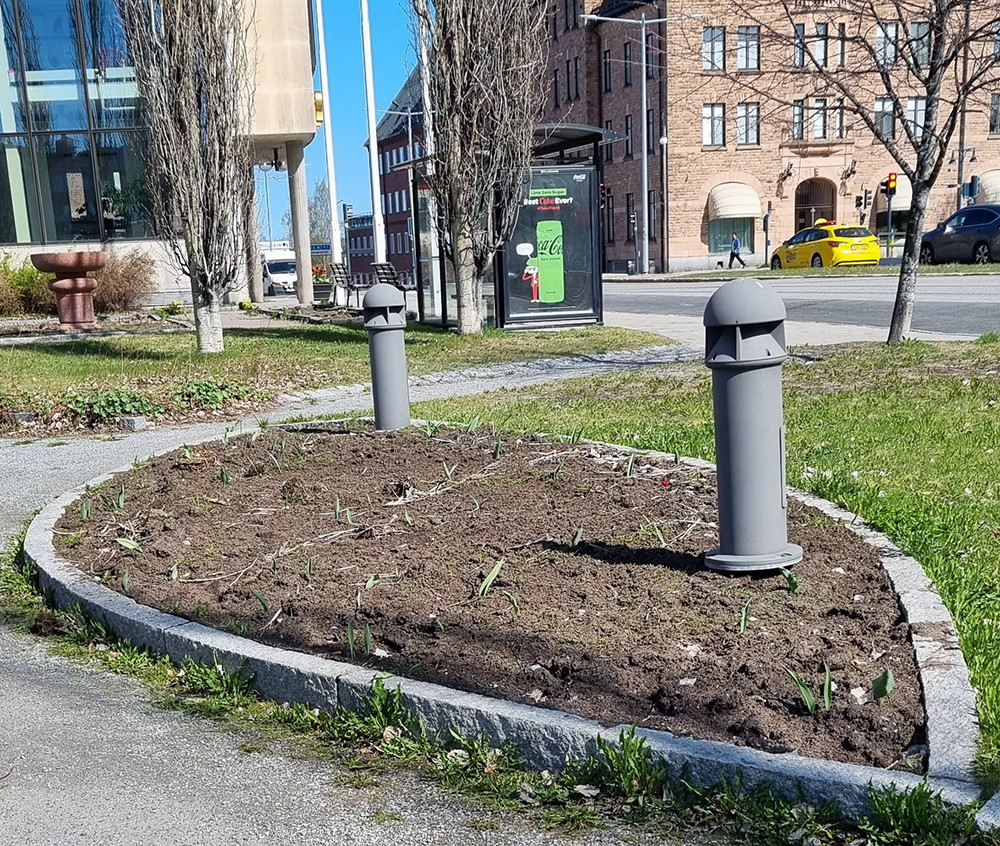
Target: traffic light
pixel 859 202
pixel 603 195
pixel 868 197
pixel 318 105
pixel 631 221
pixel 890 185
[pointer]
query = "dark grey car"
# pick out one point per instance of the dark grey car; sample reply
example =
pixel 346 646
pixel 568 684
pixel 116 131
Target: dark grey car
pixel 970 235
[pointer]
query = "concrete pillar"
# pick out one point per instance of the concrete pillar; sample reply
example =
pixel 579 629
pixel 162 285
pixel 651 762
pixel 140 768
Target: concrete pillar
pixel 298 199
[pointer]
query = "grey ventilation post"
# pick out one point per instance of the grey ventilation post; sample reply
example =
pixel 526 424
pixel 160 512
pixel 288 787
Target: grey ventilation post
pixel 745 348
pixel 385 319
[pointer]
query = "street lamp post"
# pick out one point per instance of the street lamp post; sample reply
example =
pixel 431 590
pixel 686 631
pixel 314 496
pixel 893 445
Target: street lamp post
pixel 331 175
pixel 643 23
pixel 378 221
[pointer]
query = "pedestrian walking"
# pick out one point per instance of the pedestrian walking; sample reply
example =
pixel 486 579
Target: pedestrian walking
pixel 734 253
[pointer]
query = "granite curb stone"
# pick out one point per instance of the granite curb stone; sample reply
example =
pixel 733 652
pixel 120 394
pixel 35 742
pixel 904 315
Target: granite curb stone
pixel 547 737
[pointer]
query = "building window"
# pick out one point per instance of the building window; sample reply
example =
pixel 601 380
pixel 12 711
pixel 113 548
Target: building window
pixel 720 234
pixel 567 13
pixel 555 87
pixel 713 48
pixel 628 63
pixel 996 39
pixel 920 43
pixel 651 215
pixel 650 55
pixel 713 125
pixel 799 47
pixel 609 147
pixel 609 216
pixel 995 114
pixel 748 48
pixel 841 45
pixel 628 136
pixel 631 222
pixel 798 120
pixel 839 118
pixel 576 77
pixel 820 44
pixel 819 119
pixel 607 70
pixel 885 44
pixel 916 114
pixel 748 123
pixel 650 132
pixel 885 118
pixel 569 81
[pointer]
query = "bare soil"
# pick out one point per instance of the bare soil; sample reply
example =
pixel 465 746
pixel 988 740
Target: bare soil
pixel 601 607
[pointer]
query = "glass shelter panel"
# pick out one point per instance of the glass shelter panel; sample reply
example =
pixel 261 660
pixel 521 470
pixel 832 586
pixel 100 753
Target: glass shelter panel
pixel 124 193
pixel 111 84
pixel 12 118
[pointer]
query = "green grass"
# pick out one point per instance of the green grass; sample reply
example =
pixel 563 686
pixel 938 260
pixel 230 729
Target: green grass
pixel 155 373
pixel 909 437
pixel 848 270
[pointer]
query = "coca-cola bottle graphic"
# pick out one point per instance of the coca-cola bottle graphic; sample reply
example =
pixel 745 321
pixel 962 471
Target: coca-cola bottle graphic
pixel 551 274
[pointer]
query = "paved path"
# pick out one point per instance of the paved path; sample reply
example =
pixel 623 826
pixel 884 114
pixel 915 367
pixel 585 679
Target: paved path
pixel 95 763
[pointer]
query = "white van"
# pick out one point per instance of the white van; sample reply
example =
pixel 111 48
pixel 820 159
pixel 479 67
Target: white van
pixel 279 272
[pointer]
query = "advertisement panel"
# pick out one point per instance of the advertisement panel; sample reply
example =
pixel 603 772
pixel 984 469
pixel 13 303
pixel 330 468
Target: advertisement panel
pixel 552 261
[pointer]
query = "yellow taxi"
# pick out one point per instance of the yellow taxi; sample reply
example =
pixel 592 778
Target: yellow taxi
pixel 827 244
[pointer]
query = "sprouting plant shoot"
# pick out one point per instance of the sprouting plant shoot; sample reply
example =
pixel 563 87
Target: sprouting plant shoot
pixel 577 537
pixel 125 582
pixel 744 617
pixel 827 688
pixel 804 692
pixel 407 517
pixel 883 685
pixel 263 602
pixel 790 581
pixel 86 506
pixel 659 536
pixel 448 471
pixel 496 451
pixel 350 637
pixel 559 468
pixel 513 602
pixel 487 583
pixel 130 544
pixel 368 639
pixel 473 425
pixel 188 452
pixel 631 465
pixel 121 498
pixel 336 508
pixel 224 477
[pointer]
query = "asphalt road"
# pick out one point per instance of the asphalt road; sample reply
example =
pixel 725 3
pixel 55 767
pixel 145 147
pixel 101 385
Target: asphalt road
pixel 959 305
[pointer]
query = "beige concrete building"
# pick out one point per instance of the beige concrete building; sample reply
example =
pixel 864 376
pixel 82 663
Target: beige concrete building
pixel 739 121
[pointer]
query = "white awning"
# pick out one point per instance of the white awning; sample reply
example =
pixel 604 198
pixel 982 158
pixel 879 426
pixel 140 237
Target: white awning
pixel 989 187
pixel 733 199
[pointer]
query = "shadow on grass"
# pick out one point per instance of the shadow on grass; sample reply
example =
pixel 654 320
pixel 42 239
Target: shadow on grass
pixel 99 349
pixel 330 333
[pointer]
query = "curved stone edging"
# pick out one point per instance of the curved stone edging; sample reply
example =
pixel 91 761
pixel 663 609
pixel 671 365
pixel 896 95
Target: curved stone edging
pixel 545 737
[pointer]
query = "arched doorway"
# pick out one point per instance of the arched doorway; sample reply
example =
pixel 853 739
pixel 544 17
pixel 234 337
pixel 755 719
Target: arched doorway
pixel 814 198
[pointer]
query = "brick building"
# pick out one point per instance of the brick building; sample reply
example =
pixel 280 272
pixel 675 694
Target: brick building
pixel 733 148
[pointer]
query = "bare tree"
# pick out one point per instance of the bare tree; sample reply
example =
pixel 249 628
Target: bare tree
pixel 485 68
pixel 906 70
pixel 193 73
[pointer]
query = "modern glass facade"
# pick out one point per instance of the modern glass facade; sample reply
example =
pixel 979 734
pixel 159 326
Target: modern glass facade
pixel 71 125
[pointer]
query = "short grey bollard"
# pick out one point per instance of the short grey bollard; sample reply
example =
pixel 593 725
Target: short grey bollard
pixel 385 319
pixel 745 348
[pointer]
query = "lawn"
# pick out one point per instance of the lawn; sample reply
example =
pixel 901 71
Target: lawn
pixel 908 437
pixel 264 362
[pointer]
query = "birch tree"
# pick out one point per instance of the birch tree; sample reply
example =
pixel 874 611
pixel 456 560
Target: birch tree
pixel 904 73
pixel 485 62
pixel 192 68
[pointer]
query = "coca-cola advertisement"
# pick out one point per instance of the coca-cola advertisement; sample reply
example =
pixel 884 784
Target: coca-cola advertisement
pixel 551 263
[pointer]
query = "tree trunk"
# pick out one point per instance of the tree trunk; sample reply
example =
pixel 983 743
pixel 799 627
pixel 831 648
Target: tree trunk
pixel 902 312
pixel 468 284
pixel 207 318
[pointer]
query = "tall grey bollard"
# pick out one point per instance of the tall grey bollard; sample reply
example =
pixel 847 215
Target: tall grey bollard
pixel 385 319
pixel 745 348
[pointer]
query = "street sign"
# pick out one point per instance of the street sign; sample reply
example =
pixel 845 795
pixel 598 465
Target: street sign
pixel 320 249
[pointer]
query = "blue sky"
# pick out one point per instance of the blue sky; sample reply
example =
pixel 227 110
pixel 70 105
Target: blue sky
pixel 393 58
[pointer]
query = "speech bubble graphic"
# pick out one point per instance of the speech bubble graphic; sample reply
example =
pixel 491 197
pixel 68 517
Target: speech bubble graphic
pixel 526 250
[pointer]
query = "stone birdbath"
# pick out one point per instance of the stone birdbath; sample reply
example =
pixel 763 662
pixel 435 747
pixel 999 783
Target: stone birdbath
pixel 73 288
